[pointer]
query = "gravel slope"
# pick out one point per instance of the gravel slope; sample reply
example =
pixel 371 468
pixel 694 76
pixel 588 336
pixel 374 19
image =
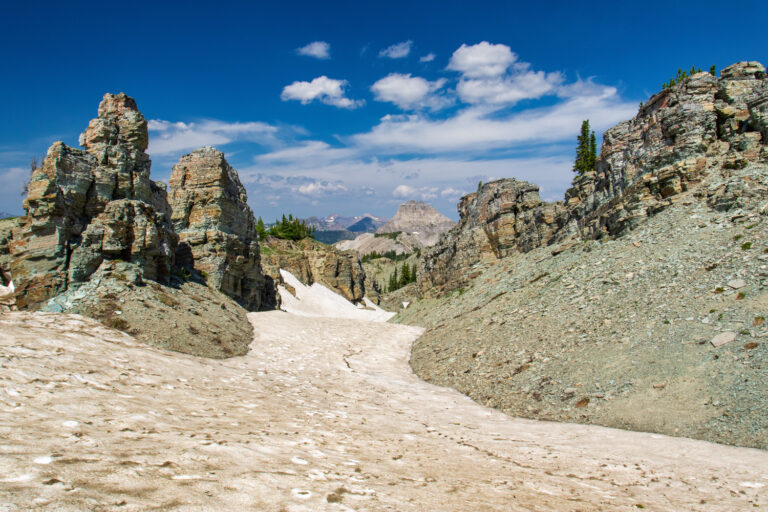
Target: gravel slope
pixel 618 333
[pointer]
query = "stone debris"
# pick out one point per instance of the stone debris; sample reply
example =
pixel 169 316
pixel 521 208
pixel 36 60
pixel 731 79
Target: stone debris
pixel 723 338
pixel 737 284
pixel 622 285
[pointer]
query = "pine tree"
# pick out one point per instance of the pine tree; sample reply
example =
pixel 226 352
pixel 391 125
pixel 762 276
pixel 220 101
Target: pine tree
pixel 405 275
pixel 261 229
pixel 586 150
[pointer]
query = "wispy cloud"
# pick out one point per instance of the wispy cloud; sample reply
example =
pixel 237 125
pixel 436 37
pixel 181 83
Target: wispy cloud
pixel 480 129
pixel 397 51
pixel 317 49
pixel 324 89
pixel 171 137
pixel 427 58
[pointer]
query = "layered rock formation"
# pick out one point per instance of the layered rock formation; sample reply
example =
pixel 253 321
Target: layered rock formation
pixel 216 228
pixel 313 262
pixel 420 220
pixel 682 135
pixel 98 240
pixel 87 206
pixel 415 225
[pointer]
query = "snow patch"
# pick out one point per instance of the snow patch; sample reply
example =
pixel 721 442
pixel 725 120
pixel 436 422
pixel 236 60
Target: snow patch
pixel 319 301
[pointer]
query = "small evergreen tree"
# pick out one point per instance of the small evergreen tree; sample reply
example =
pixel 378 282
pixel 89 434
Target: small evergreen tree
pixel 261 229
pixel 713 70
pixel 586 150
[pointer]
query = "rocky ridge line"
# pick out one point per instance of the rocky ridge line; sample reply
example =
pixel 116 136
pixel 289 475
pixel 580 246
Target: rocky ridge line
pixel 702 125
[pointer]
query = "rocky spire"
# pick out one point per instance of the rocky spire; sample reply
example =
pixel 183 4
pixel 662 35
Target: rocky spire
pixel 87 206
pixel 216 228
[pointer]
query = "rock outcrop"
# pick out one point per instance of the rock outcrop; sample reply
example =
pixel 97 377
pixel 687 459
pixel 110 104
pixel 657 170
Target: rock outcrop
pixel 703 127
pixel 416 225
pixel 216 228
pixel 419 220
pixel 88 206
pixel 313 262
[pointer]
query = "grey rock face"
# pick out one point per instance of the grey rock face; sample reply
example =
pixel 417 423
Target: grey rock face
pixel 419 220
pixel 70 212
pixel 704 126
pixel 216 228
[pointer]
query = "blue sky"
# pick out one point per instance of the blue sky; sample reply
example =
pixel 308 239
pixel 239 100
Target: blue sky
pixel 353 107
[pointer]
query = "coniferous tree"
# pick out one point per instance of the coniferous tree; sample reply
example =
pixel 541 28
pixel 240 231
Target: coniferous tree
pixel 405 275
pixel 261 229
pixel 586 150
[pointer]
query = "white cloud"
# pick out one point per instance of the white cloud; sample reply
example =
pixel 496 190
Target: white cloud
pixel 320 188
pixel 169 137
pixel 427 58
pixel 324 89
pixel 313 150
pixel 451 192
pixel 407 91
pixel 475 129
pixel 509 90
pixel 482 60
pixel 397 51
pixel 408 192
pixel 317 49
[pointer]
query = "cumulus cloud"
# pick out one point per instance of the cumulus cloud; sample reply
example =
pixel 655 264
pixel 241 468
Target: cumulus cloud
pixel 408 192
pixel 317 49
pixel 511 89
pixel 408 92
pixel 427 58
pixel 482 60
pixel 171 137
pixel 324 89
pixel 397 51
pixel 320 188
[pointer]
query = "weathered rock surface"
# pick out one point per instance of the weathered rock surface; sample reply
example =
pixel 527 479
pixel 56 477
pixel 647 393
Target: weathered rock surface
pixel 216 228
pixel 71 225
pixel 367 243
pixel 97 240
pixel 697 131
pixel 311 261
pixel 503 217
pixel 419 220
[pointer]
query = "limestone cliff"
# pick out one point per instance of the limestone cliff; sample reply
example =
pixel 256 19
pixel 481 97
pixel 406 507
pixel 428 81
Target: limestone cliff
pixel 314 262
pixel 692 133
pixel 216 228
pixel 87 206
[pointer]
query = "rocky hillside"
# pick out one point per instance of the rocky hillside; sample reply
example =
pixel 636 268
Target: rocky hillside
pixel 637 302
pixel 311 262
pixel 99 239
pixel 701 126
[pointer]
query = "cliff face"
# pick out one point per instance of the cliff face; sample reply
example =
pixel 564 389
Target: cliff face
pixel 88 206
pixel 313 262
pixel 704 127
pixel 419 220
pixel 216 228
